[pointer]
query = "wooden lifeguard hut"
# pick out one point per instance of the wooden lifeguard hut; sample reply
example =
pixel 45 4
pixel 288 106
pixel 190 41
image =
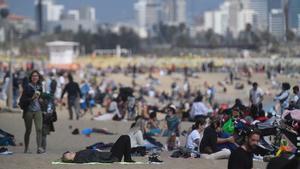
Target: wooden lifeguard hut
pixel 62 54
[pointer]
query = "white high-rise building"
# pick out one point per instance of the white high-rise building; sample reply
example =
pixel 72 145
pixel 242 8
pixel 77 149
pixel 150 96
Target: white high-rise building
pixel 169 11
pixel 87 13
pixel 277 23
pixel 221 22
pixel 260 7
pixel 181 11
pixel 234 9
pixel 218 20
pixel 73 15
pixel 51 11
pixel 152 13
pixel 147 15
pixel 140 17
pixel 174 11
pixel 209 20
pixel 48 13
pixel 246 16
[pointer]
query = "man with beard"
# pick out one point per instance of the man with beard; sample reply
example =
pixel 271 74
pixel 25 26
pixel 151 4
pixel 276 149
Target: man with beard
pixel 242 157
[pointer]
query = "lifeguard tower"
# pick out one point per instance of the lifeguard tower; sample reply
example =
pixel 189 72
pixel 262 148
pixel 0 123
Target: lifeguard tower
pixel 62 53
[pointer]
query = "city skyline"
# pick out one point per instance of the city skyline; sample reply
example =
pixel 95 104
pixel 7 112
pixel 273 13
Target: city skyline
pixel 123 12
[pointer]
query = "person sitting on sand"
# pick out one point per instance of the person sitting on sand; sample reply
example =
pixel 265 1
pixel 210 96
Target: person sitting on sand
pixel 136 137
pixel 194 138
pixel 119 150
pixel 172 122
pixel 152 127
pixel 210 140
pixel 199 109
pixel 172 128
pixel 112 112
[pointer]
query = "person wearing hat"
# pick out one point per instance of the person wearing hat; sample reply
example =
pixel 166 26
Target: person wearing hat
pixel 172 127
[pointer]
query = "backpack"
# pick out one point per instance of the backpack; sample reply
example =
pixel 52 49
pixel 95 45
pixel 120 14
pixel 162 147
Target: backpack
pixel 24 100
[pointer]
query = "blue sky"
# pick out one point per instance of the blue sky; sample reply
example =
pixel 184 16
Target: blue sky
pixel 109 10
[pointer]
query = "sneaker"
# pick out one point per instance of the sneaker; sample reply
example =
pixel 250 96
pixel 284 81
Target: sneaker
pixel 129 161
pixel 41 151
pixel 154 160
pixel 4 151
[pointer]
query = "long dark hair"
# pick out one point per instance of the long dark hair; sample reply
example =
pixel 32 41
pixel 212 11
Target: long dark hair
pixel 215 123
pixel 40 77
pixel 199 122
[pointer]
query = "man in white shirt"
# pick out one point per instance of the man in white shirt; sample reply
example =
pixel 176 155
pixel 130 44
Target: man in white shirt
pixel 256 97
pixel 198 109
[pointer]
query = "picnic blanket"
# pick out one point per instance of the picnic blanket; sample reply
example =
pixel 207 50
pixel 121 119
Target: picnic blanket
pixel 58 162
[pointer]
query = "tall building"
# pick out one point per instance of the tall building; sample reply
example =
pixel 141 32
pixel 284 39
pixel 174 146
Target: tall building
pixel 87 13
pixel 293 11
pixel 277 23
pixel 169 11
pixel 39 16
pixel 218 20
pixel 233 12
pixel 147 14
pixel 221 22
pixel 72 15
pixel 47 12
pixel 152 13
pixel 260 7
pixel 140 17
pixel 209 20
pixel 246 16
pixel 275 4
pixel 174 11
pixel 181 11
pixel 299 23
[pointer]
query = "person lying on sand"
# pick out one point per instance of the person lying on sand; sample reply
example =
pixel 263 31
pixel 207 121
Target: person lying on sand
pixel 120 148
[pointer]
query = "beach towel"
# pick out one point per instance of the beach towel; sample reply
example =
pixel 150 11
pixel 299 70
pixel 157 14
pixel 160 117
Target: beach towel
pixel 58 162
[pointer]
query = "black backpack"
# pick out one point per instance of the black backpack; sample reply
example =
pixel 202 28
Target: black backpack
pixel 24 101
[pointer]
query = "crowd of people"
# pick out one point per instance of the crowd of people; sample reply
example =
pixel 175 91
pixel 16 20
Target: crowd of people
pixel 212 136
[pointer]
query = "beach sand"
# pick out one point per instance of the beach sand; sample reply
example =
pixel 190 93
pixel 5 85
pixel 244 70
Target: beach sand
pixel 62 140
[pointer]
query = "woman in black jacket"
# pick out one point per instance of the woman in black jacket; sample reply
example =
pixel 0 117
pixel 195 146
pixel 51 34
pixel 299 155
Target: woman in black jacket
pixel 30 102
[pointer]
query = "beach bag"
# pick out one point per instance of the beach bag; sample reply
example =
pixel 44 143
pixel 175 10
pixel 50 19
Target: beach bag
pixel 228 127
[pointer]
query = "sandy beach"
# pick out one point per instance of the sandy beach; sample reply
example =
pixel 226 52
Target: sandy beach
pixel 62 140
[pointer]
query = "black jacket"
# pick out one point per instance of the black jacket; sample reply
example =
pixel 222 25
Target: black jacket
pixel 73 90
pixel 49 118
pixel 87 156
pixel 26 97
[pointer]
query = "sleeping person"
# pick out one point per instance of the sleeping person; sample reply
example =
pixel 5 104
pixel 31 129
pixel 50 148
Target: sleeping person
pixel 119 150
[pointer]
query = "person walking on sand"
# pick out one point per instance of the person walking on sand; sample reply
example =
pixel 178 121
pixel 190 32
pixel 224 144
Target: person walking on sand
pixel 74 94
